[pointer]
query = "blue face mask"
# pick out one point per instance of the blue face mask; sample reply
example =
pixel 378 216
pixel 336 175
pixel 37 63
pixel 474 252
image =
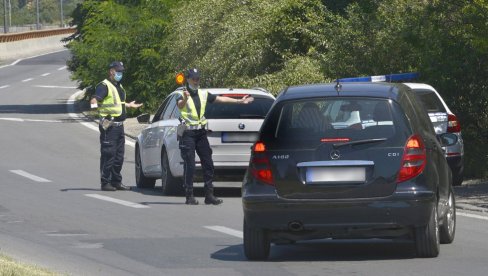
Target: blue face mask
pixel 118 76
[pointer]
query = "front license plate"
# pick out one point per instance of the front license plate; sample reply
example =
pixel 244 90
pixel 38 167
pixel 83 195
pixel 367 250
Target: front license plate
pixel 317 175
pixel 239 137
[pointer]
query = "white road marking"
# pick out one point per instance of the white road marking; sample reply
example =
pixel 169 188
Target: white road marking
pixel 26 80
pixel 45 74
pixel 30 176
pixel 226 230
pixel 4 86
pixel 30 120
pixel 472 216
pixel 56 234
pixel 55 86
pixel 72 114
pixel 62 68
pixel 118 201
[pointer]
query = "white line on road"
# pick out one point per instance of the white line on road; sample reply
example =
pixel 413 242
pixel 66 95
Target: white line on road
pixel 26 80
pixel 472 215
pixel 30 120
pixel 30 176
pixel 45 74
pixel 54 86
pixel 62 68
pixel 225 230
pixel 118 201
pixel 4 86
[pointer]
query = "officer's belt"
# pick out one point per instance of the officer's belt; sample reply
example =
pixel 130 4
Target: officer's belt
pixel 117 123
pixel 193 127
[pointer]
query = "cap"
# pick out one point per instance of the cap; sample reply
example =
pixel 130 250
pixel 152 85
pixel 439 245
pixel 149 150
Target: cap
pixel 118 65
pixel 193 73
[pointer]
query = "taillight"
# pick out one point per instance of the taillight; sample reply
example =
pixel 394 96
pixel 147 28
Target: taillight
pixel 414 159
pixel 453 124
pixel 260 167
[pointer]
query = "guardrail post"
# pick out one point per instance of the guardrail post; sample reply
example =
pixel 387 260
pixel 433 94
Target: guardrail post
pixel 5 27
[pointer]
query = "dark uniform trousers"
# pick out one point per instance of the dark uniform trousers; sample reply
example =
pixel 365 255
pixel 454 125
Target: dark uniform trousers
pixel 191 141
pixel 112 146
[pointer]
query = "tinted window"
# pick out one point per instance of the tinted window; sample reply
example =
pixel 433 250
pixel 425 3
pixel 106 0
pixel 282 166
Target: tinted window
pixel 430 101
pixel 315 120
pixel 257 109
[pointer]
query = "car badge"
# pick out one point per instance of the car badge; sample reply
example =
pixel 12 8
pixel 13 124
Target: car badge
pixel 242 126
pixel 335 154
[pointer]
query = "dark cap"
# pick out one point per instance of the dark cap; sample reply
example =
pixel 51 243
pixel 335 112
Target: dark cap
pixel 193 73
pixel 117 65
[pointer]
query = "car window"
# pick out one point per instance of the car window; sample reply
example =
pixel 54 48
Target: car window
pixel 257 109
pixel 160 112
pixel 354 119
pixel 169 108
pixel 430 101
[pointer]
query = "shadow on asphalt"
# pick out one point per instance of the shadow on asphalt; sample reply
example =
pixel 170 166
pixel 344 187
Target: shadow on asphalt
pixel 327 250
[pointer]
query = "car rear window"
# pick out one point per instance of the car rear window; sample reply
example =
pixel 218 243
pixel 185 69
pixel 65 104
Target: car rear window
pixel 430 101
pixel 317 120
pixel 257 109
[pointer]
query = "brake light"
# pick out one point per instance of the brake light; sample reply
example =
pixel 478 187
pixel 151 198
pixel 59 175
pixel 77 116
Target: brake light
pixel 334 140
pixel 414 159
pixel 260 167
pixel 453 124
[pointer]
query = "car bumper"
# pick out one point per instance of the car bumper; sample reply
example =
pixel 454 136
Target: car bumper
pixel 359 218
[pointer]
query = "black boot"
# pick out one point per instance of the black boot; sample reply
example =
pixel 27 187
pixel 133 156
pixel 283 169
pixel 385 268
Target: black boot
pixel 190 200
pixel 210 198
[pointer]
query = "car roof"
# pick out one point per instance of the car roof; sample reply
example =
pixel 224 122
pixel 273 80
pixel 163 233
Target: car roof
pixel 243 91
pixel 356 89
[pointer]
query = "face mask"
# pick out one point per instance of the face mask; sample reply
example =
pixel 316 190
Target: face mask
pixel 118 76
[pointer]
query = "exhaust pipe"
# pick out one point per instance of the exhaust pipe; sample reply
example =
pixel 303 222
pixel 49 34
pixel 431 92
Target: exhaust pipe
pixel 295 226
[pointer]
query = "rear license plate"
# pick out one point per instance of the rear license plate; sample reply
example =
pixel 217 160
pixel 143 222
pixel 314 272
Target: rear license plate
pixel 317 175
pixel 239 137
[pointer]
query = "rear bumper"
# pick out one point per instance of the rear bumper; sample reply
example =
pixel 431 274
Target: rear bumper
pixel 391 216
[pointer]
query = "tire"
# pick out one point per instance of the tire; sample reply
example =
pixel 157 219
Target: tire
pixel 427 241
pixel 256 243
pixel 447 230
pixel 141 180
pixel 170 184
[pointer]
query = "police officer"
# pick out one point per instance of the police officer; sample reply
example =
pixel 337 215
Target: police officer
pixel 109 98
pixel 191 103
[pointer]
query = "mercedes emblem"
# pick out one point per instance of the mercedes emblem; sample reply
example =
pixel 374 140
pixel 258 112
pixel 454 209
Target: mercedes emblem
pixel 242 126
pixel 335 154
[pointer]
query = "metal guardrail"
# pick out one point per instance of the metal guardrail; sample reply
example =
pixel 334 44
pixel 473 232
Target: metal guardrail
pixel 35 34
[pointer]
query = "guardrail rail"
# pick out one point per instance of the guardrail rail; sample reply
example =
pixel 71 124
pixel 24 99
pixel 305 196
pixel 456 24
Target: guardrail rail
pixel 35 34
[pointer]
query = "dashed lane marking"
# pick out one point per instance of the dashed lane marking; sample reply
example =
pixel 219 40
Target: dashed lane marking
pixel 55 86
pixel 30 120
pixel 62 68
pixel 118 201
pixel 45 74
pixel 30 176
pixel 26 80
pixel 226 230
pixel 4 86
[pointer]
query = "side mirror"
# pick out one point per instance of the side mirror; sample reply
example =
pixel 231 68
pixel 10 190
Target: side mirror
pixel 448 139
pixel 143 118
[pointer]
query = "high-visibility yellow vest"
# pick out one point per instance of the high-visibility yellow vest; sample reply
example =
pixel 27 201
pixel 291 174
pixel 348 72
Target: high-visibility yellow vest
pixel 111 104
pixel 189 111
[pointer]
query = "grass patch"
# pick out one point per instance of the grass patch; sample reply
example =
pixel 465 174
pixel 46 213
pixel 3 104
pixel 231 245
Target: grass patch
pixel 10 267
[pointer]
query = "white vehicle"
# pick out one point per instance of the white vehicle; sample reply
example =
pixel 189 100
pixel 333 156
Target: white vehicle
pixel 444 121
pixel 232 129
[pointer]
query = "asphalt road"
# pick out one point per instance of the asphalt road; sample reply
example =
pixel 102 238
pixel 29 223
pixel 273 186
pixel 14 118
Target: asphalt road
pixel 52 212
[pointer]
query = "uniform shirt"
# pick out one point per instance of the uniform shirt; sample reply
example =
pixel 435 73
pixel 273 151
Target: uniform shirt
pixel 102 91
pixel 196 100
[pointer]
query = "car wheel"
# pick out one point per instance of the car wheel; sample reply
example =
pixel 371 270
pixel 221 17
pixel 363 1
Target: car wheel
pixel 256 243
pixel 447 230
pixel 427 241
pixel 141 180
pixel 170 184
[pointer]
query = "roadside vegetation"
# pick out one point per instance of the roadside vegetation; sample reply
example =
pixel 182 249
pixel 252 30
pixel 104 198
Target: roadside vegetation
pixel 10 267
pixel 274 44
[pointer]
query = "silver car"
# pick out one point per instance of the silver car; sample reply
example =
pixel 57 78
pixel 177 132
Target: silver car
pixel 232 129
pixel 444 121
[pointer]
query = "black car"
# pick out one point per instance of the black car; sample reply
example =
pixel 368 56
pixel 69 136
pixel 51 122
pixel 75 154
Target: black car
pixel 348 160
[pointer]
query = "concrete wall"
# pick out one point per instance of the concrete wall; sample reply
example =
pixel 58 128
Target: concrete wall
pixel 31 47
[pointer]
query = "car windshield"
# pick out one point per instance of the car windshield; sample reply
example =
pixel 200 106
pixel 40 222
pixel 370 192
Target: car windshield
pixel 338 120
pixel 257 109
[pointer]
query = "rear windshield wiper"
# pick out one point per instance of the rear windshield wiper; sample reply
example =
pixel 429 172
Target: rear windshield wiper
pixel 359 142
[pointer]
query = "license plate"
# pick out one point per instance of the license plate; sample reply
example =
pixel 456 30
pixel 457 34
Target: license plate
pixel 239 137
pixel 316 175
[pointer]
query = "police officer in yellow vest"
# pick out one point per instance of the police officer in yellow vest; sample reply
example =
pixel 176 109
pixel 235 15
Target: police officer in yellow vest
pixel 191 104
pixel 109 98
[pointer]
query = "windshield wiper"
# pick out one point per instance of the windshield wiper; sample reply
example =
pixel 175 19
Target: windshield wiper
pixel 359 142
